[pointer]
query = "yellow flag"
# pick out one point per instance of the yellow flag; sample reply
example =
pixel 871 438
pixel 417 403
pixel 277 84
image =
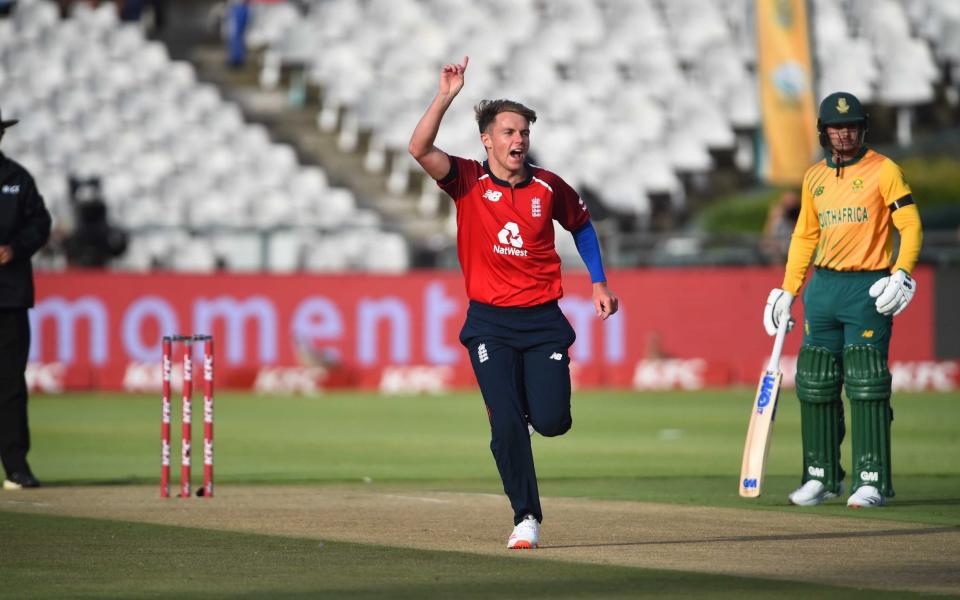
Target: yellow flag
pixel 785 76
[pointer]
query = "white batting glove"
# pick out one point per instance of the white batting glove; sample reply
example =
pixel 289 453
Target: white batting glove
pixel 777 309
pixel 893 293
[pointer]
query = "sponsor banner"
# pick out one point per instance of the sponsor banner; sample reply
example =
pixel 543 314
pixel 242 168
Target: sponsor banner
pixel 679 374
pixel 418 379
pixel 785 78
pixel 920 376
pixel 646 375
pixel 677 329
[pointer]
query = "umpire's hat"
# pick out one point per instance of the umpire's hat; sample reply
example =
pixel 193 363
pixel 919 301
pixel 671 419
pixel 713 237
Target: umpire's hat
pixel 7 123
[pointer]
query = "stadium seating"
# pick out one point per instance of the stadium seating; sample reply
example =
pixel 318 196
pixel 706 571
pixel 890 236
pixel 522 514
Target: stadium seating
pixel 636 98
pixel 633 95
pixel 199 187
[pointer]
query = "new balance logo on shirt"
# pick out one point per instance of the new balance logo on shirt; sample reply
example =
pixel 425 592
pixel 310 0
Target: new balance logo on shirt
pixel 492 195
pixel 556 356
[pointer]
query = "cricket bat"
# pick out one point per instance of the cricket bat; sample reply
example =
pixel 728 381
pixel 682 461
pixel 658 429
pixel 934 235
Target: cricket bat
pixel 761 421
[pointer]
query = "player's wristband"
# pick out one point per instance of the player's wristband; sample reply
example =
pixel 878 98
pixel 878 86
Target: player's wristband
pixel 589 248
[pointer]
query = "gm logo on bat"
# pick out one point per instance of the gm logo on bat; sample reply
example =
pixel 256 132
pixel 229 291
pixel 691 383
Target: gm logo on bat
pixel 750 483
pixel 766 393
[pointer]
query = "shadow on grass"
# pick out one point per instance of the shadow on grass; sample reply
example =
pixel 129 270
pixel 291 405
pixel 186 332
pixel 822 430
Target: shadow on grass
pixel 98 482
pixel 775 538
pixel 267 480
pixel 47 556
pixel 927 502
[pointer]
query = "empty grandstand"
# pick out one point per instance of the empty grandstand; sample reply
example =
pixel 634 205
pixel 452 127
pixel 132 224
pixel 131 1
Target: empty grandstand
pixel 199 188
pixel 649 107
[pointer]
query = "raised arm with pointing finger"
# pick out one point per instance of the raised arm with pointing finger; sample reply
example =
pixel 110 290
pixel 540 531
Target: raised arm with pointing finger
pixel 434 160
pixel 517 337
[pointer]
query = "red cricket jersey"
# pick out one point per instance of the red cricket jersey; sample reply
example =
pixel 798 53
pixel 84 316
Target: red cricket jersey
pixel 505 238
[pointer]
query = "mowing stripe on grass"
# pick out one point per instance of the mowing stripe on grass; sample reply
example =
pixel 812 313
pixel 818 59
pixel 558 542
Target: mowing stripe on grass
pixel 56 557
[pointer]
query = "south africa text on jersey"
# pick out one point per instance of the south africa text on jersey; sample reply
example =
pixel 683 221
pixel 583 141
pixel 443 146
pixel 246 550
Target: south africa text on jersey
pixel 840 216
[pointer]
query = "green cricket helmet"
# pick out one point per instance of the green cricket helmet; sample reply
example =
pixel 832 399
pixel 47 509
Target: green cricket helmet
pixel 841 108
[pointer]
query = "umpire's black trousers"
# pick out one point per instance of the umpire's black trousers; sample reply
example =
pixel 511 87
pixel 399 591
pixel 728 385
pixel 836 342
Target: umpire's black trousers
pixel 520 357
pixel 14 351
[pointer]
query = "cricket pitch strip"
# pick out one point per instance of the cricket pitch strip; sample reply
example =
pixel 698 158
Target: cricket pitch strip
pixel 800 546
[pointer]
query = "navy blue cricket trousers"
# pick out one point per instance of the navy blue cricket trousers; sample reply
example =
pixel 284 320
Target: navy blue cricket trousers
pixel 521 360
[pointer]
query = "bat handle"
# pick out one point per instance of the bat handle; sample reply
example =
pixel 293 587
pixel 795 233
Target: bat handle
pixel 774 364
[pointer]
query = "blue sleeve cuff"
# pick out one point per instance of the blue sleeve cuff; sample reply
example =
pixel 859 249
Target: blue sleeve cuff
pixel 589 248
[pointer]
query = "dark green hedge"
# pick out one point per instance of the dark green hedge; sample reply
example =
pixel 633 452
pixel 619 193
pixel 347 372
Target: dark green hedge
pixel 935 184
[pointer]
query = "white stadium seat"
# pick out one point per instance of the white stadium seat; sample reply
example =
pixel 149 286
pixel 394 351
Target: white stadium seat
pixel 564 56
pixel 632 95
pixel 97 98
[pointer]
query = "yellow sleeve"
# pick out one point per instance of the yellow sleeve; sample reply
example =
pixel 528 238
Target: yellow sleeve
pixel 892 185
pixel 803 243
pixel 907 220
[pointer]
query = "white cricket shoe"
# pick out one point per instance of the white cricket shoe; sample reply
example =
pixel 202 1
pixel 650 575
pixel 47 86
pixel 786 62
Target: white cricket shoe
pixel 525 534
pixel 866 496
pixel 812 493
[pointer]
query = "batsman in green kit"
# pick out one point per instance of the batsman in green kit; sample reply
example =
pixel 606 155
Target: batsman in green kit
pixel 851 201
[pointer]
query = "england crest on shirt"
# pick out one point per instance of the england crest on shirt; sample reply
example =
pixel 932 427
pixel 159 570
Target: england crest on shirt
pixel 535 208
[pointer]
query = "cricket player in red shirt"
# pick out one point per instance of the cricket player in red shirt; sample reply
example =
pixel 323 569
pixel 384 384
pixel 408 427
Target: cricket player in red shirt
pixel 517 337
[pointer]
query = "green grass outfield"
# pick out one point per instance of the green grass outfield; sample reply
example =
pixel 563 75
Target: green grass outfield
pixel 682 447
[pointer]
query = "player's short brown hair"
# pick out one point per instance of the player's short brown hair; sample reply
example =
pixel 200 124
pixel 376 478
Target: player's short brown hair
pixel 488 110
